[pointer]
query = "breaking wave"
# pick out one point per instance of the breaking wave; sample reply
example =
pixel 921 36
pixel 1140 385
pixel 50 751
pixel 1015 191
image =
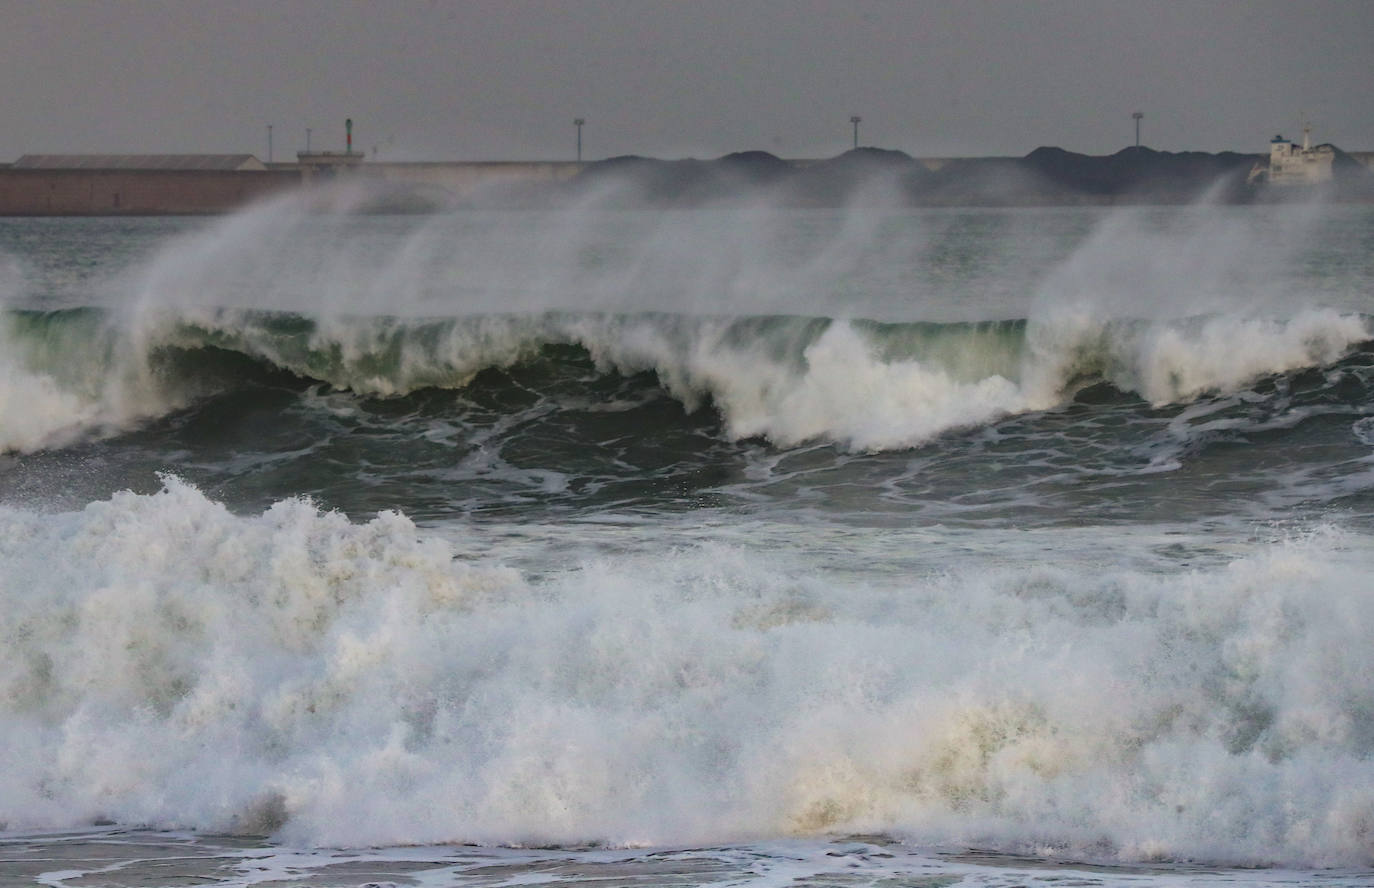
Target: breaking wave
pixel 863 385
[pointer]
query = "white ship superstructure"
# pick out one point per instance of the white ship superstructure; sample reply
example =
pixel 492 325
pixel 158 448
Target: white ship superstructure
pixel 1290 164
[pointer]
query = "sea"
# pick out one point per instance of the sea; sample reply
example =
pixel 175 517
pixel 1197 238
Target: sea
pixel 746 545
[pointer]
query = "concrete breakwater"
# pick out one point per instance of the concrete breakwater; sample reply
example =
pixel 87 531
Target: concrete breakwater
pixel 134 192
pixel 106 185
pixel 43 185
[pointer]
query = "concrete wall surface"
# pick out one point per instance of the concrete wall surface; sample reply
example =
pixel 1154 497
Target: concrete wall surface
pixel 28 192
pixel 463 178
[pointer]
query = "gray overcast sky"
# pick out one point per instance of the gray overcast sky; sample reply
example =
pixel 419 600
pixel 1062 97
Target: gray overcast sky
pixel 504 79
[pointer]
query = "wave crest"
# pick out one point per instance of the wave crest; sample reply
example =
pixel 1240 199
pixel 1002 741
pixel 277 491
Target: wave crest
pixel 863 385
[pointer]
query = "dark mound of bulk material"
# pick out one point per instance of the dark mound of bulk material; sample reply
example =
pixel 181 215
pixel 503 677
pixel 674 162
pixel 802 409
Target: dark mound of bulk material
pixel 648 181
pixel 1047 176
pixel 868 175
pixel 1351 179
pixel 1141 172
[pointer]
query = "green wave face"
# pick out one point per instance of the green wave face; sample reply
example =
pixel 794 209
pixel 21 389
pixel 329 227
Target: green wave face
pixel 861 384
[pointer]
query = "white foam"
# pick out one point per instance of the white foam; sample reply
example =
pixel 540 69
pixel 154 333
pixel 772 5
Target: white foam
pixel 1172 361
pixel 36 411
pixel 842 388
pixel 167 663
pixel 89 379
pixel 836 388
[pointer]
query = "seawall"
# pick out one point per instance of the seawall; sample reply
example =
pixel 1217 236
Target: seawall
pixel 120 192
pixel 464 177
pixel 38 192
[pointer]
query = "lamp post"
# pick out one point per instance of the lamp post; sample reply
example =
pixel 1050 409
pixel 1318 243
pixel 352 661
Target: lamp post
pixel 577 122
pixel 1136 116
pixel 854 119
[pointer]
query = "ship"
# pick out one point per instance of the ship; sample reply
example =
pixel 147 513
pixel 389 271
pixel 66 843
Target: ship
pixel 1290 164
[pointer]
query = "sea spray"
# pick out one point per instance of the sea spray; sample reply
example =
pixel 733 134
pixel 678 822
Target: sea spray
pixel 1168 306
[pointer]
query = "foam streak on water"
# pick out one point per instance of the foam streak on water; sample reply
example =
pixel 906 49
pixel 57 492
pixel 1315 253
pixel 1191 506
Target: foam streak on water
pixel 120 858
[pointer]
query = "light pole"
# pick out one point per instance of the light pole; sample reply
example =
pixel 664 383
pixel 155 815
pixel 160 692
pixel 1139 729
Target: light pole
pixel 1136 116
pixel 854 119
pixel 577 122
pixel 269 143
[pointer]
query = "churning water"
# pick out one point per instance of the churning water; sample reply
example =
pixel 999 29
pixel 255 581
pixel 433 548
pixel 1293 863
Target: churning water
pixel 830 544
